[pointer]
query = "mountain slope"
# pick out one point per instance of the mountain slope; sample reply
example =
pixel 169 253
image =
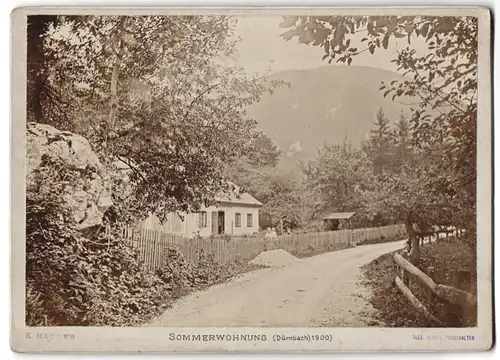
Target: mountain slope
pixel 325 104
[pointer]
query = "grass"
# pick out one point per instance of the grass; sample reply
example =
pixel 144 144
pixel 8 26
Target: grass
pixel 312 251
pixel 383 239
pixel 394 310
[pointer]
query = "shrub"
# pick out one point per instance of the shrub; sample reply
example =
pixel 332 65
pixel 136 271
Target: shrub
pixel 124 294
pixel 312 251
pixel 34 307
pixel 73 280
pixel 176 274
pixel 211 237
pixel 52 249
pixel 182 278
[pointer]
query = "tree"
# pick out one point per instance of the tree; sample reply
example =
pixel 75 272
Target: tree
pixel 379 146
pixel 151 92
pixel 262 155
pixel 287 201
pixel 408 197
pixel 403 142
pixel 265 152
pixel 336 174
pixel 40 95
pixel 281 202
pixel 442 82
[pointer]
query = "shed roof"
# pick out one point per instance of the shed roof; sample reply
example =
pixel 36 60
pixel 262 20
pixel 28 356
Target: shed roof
pixel 338 215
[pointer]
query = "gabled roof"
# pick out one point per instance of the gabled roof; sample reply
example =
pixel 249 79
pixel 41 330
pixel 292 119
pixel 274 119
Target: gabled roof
pixel 338 215
pixel 237 197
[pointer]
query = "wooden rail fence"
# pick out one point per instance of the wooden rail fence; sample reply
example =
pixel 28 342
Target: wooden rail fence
pixel 153 245
pixel 448 293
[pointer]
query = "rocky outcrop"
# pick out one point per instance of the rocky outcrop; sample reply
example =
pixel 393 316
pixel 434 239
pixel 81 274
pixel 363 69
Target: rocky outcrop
pixel 88 196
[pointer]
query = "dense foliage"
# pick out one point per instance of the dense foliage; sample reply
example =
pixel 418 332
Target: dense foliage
pixel 153 94
pixel 71 279
pixel 336 174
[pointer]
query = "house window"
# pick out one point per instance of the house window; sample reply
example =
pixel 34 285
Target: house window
pixel 202 219
pixel 237 220
pixel 249 220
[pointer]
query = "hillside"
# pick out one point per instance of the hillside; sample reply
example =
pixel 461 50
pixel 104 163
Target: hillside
pixel 325 104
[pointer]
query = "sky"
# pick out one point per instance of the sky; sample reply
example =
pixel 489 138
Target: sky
pixel 261 48
pixel 261 43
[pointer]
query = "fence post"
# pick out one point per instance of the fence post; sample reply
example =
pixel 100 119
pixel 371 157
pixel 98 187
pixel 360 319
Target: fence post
pixel 463 277
pixel 432 275
pixel 463 282
pixel 404 274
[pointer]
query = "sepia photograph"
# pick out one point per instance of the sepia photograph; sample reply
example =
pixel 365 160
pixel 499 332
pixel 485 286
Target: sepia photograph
pixel 228 170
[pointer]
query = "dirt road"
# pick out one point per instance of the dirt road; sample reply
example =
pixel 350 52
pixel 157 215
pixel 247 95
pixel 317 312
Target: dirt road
pixel 319 291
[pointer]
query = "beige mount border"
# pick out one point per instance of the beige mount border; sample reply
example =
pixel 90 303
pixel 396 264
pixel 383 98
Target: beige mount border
pixel 95 339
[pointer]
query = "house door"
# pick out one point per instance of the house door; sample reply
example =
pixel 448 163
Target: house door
pixel 215 223
pixel 221 222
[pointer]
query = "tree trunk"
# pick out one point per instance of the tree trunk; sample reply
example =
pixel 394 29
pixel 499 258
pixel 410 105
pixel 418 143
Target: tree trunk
pixel 113 103
pixel 36 67
pixel 415 252
pixel 114 86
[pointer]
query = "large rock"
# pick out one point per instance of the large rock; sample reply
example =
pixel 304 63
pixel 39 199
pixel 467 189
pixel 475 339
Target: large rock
pixel 88 196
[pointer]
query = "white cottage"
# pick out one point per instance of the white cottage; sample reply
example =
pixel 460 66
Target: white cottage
pixel 232 214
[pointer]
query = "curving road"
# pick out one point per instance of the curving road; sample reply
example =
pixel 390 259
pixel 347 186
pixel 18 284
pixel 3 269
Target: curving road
pixel 318 291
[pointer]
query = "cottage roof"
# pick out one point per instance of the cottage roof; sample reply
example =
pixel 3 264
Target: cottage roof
pixel 238 197
pixel 338 215
pixel 234 197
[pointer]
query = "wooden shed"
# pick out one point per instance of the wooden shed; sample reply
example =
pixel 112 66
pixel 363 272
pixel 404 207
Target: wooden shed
pixel 338 220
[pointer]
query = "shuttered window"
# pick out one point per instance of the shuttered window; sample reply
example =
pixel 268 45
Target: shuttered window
pixel 202 219
pixel 237 220
pixel 249 220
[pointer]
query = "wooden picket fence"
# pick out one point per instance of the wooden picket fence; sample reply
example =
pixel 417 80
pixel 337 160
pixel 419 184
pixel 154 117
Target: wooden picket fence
pixel 153 245
pixel 373 233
